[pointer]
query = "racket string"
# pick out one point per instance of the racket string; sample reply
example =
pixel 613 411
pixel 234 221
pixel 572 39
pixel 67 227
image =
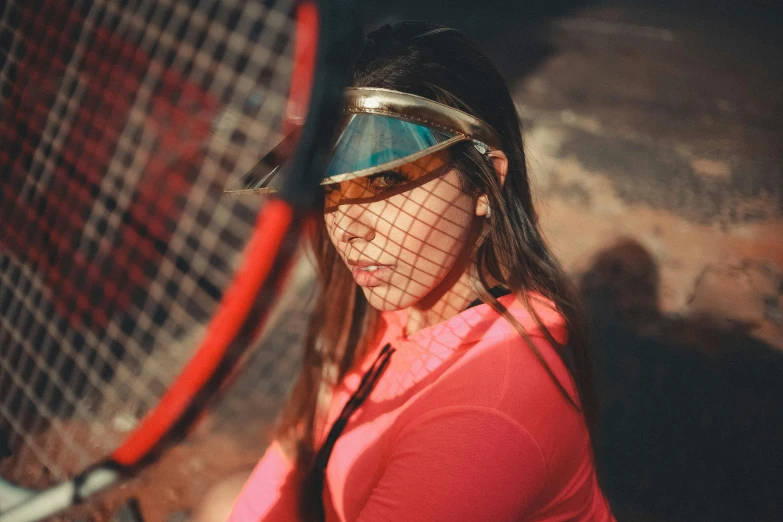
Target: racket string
pixel 121 125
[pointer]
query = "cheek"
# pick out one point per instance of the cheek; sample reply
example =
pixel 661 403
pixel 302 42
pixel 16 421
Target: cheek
pixel 431 228
pixel 422 231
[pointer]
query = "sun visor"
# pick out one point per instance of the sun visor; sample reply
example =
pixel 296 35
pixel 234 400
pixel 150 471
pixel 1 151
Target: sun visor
pixel 383 130
pixel 371 143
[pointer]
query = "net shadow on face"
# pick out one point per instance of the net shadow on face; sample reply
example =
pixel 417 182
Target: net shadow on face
pixel 406 235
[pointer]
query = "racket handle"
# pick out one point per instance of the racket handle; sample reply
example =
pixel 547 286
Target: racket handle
pixel 32 506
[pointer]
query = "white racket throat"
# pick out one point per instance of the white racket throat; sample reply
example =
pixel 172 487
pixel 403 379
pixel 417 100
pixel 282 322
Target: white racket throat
pixel 21 505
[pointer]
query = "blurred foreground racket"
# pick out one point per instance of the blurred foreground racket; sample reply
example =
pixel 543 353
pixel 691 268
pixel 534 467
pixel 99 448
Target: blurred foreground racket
pixel 130 287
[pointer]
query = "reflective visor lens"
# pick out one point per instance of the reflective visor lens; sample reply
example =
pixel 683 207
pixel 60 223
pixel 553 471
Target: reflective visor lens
pixel 372 143
pixel 368 144
pixel 266 176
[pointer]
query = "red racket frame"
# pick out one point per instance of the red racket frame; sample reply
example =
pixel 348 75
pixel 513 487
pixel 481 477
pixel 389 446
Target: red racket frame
pixel 324 31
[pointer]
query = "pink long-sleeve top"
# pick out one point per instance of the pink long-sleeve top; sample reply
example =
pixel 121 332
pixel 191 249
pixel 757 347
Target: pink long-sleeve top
pixel 465 424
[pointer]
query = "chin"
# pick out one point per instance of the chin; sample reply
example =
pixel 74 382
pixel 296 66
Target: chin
pixel 385 300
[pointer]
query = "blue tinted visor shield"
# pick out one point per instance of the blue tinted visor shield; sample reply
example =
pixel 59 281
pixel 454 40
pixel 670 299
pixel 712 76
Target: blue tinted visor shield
pixel 371 143
pixel 382 131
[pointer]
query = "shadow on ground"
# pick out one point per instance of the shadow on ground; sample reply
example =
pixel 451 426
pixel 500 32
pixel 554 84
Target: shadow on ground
pixel 691 425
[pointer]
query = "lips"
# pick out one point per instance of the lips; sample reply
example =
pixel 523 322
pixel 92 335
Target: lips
pixel 369 273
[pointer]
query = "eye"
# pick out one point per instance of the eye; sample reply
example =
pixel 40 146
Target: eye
pixel 386 180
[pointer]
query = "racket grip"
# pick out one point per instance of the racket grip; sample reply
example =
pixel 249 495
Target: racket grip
pixel 37 505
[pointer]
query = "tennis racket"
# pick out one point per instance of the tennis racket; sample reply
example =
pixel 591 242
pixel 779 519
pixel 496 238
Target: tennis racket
pixel 130 286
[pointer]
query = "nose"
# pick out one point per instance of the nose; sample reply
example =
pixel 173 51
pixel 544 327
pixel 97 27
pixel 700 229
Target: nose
pixel 352 222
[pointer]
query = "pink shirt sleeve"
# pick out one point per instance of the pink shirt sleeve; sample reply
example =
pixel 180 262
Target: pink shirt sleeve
pixel 464 463
pixel 269 494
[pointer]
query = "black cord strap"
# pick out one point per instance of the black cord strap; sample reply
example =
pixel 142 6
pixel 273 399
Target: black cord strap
pixel 367 384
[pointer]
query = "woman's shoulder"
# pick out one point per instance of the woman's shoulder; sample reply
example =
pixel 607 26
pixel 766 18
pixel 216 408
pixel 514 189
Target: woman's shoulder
pixel 536 314
pixel 504 374
pixel 498 367
pixel 516 356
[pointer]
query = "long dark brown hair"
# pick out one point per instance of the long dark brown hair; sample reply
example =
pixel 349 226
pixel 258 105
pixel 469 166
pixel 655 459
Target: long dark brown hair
pixel 443 65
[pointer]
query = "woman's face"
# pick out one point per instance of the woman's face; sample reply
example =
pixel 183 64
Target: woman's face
pixel 401 232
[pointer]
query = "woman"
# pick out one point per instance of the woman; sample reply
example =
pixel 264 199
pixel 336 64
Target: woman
pixel 445 374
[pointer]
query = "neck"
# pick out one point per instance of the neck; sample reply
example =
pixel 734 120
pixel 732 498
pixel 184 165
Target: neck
pixel 452 295
pixel 442 306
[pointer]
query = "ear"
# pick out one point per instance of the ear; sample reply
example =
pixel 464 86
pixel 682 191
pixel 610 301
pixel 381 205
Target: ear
pixel 482 204
pixel 500 162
